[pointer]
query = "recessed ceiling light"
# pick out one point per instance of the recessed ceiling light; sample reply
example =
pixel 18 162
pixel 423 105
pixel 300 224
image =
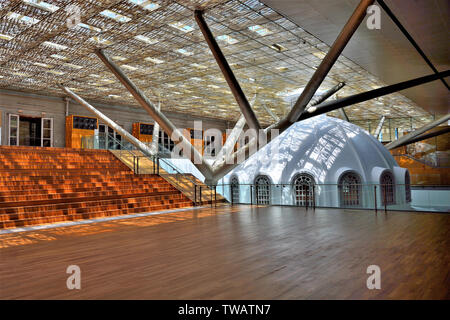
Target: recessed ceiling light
pixel 5 37
pixel 21 74
pixel 113 96
pixel 54 45
pixel 42 5
pixel 181 26
pixel 200 66
pixel 154 60
pixel 22 18
pixel 115 16
pixel 146 4
pixel 146 39
pixel 259 30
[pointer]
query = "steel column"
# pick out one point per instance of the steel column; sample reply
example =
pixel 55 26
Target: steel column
pixel 327 94
pixel 329 60
pixel 344 114
pixel 410 136
pixel 379 128
pixel 236 89
pixel 138 144
pixel 155 136
pixel 163 121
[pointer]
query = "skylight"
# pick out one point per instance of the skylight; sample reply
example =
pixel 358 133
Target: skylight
pixel 59 73
pixel 44 65
pixel 42 5
pixel 181 26
pixel 185 52
pixel 278 47
pixel 113 96
pixel 199 66
pixel 57 56
pixel 101 40
pixel 227 39
pixel 146 4
pixel 54 45
pixel 22 18
pixel 119 58
pixel 115 16
pixel 88 27
pixel 154 60
pixel 259 30
pixel 146 39
pixel 5 37
pixel 125 66
pixel 73 66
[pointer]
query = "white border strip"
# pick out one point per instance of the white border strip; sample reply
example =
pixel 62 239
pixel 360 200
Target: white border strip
pixel 89 221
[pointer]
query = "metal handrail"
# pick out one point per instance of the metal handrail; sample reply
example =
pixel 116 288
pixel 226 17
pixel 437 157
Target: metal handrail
pixel 156 159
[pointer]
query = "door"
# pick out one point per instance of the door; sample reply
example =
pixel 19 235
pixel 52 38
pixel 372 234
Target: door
pixel 14 129
pixel 47 132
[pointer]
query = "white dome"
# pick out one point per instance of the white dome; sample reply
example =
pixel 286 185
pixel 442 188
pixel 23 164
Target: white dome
pixel 325 148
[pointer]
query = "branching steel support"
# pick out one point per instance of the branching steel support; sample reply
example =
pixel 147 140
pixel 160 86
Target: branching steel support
pixel 426 136
pixel 379 128
pixel 344 114
pixel 236 89
pixel 329 60
pixel 125 134
pixel 166 125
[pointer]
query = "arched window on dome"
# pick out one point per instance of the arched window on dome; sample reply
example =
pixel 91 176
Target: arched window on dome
pixel 303 189
pixel 262 189
pixel 234 189
pixel 387 187
pixel 407 187
pixel 350 190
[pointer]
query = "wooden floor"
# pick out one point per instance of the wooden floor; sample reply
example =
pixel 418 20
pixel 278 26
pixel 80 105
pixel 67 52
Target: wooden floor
pixel 234 253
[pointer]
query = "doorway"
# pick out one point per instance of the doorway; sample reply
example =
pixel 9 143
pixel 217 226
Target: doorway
pixel 108 138
pixel 30 131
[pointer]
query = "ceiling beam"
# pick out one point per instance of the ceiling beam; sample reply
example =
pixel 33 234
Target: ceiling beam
pixel 372 94
pixel 410 136
pixel 329 60
pixel 410 38
pixel 166 125
pixel 236 89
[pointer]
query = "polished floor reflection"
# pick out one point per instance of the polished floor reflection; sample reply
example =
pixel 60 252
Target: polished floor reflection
pixel 238 252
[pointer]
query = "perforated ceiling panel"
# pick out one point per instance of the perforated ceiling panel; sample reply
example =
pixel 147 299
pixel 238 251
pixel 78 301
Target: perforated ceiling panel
pixel 159 45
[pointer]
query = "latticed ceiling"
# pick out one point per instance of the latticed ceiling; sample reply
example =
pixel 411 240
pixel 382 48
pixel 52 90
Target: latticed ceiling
pixel 158 44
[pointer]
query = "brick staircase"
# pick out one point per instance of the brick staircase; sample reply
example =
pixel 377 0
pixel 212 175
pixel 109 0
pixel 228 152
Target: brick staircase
pixel 49 185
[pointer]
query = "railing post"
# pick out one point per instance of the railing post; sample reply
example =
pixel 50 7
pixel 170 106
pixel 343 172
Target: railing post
pixel 251 195
pixel 215 196
pixel 134 164
pixel 385 204
pixel 210 191
pixel 314 197
pixel 200 195
pixel 232 193
pixel 157 166
pixel 195 195
pixel 375 197
pixel 137 164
